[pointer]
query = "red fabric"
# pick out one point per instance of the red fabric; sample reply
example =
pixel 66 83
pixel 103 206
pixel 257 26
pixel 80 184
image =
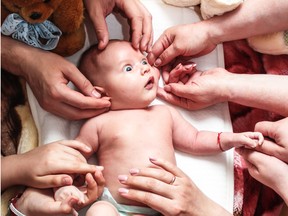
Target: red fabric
pixel 251 197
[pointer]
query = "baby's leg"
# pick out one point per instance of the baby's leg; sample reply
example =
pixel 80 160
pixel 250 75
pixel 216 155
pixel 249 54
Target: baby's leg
pixel 102 208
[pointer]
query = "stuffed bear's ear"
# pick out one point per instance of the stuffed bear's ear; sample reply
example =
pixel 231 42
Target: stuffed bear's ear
pixel 210 8
pixel 273 44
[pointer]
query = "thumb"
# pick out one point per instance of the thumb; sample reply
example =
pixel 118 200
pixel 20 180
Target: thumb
pixel 166 56
pixel 265 127
pixel 180 90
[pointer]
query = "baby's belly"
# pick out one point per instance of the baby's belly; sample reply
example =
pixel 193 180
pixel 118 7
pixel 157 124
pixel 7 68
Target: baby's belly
pixel 120 162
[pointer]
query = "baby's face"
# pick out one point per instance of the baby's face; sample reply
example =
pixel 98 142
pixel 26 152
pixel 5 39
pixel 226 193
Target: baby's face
pixel 129 79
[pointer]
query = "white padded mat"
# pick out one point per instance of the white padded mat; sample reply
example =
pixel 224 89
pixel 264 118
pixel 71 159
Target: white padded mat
pixel 212 174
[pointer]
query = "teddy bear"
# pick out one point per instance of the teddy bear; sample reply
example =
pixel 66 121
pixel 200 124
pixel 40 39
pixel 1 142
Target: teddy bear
pixel 23 19
pixel 208 8
pixel 55 25
pixel 272 44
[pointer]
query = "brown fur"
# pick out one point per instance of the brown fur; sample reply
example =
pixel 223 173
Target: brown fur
pixel 67 15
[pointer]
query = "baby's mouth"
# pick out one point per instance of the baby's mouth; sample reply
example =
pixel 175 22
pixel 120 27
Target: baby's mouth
pixel 150 83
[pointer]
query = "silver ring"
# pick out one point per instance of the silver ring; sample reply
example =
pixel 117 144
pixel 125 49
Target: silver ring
pixel 172 180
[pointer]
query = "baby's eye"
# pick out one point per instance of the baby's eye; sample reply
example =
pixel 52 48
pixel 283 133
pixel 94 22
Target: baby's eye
pixel 144 62
pixel 127 68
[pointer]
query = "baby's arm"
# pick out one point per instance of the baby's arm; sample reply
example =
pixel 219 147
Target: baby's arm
pixel 88 135
pixel 94 181
pixel 188 139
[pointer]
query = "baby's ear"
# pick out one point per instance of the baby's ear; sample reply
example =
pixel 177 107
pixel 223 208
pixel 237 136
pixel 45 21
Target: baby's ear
pixel 101 91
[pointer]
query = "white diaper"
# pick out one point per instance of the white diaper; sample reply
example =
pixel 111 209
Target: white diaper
pixel 124 210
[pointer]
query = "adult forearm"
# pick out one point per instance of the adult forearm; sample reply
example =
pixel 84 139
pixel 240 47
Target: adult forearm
pixel 8 171
pixel 253 17
pixel 268 92
pixel 15 55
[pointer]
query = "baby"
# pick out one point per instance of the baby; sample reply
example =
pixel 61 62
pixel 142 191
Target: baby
pixel 133 130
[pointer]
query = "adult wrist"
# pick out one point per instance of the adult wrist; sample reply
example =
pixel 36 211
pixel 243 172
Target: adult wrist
pixel 215 34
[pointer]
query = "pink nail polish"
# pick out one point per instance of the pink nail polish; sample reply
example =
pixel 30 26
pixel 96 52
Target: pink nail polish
pixel 134 171
pixel 123 190
pixel 157 62
pixel 122 178
pixel 96 94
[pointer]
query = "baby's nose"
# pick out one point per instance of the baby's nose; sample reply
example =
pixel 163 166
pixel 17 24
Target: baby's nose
pixel 145 69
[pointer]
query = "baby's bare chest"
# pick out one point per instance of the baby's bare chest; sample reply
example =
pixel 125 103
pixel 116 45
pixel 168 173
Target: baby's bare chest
pixel 138 128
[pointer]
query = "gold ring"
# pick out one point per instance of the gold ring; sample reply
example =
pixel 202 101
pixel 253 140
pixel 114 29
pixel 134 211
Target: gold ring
pixel 172 180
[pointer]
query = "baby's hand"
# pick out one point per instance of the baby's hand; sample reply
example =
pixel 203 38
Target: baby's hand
pixel 63 193
pixel 252 139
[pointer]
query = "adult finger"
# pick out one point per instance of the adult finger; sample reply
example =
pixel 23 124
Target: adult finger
pixel 73 113
pixel 75 144
pixel 266 128
pixel 147 33
pixel 77 99
pixel 155 201
pixel 98 15
pixel 51 181
pixel 269 147
pixel 168 96
pixel 154 173
pixel 163 53
pixel 168 166
pixel 80 81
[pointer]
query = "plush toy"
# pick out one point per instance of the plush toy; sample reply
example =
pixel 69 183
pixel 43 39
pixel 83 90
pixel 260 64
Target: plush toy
pixel 208 8
pixel 55 25
pixel 273 44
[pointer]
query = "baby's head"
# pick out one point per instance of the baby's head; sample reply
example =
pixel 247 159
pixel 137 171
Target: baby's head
pixel 124 73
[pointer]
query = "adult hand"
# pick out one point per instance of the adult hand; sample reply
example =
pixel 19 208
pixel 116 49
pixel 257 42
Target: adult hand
pixel 138 16
pixel 264 168
pixel 276 143
pixel 159 189
pixel 182 40
pixel 51 163
pixel 48 78
pixel 201 90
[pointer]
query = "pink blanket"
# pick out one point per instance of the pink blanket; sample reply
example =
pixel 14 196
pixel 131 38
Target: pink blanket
pixel 251 197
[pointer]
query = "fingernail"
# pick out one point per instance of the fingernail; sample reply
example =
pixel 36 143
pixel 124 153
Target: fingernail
pixel 96 94
pixel 167 88
pixel 123 190
pixel 67 181
pixel 152 159
pixel 134 171
pixel 122 178
pixel 157 62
